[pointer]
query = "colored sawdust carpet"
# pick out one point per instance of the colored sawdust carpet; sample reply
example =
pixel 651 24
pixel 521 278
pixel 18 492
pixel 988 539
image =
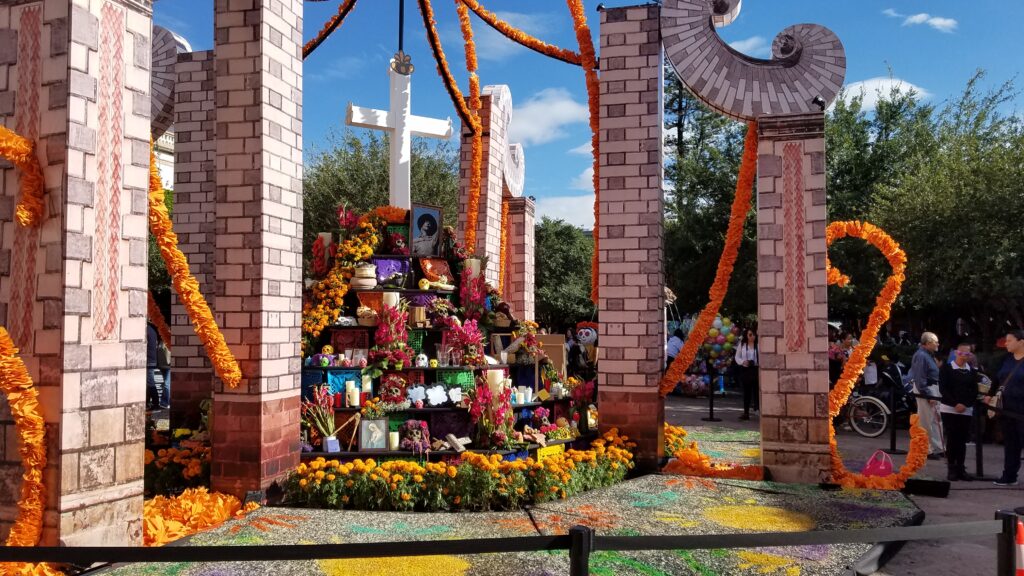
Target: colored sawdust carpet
pixel 650 505
pixel 727 445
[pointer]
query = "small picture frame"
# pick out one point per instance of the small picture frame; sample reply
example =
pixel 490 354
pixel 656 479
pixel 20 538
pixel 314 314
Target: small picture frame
pixel 373 435
pixel 425 229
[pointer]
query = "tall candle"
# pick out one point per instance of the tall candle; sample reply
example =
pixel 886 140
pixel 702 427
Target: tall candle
pixel 351 394
pixel 391 299
pixel 393 440
pixel 495 381
pixel 367 383
pixel 474 267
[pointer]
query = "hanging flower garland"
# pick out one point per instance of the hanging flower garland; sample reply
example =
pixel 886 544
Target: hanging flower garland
pixel 503 253
pixel 518 36
pixel 329 27
pixel 733 238
pixel 22 154
pixel 224 363
pixel 23 400
pixel 158 320
pixel 427 12
pixel 589 61
pixel 477 150
pixel 838 396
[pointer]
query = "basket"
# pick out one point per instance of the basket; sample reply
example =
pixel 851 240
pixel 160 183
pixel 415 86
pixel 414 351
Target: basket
pixel 415 340
pixel 457 377
pixel 434 268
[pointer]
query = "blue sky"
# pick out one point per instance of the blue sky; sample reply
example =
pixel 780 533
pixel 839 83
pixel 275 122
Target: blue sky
pixel 934 46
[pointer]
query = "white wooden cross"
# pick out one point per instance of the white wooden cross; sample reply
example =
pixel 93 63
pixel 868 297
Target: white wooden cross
pixel 401 125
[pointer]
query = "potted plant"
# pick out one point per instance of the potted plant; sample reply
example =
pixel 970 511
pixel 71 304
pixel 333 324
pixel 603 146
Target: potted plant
pixel 318 415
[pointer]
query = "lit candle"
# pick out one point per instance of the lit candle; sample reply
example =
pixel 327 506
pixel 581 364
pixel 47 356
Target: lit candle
pixel 391 299
pixel 393 440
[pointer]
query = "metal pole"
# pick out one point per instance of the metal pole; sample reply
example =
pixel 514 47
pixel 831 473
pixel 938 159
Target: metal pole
pixel 711 404
pixel 579 550
pixel 979 439
pixel 1006 558
pixel 401 24
pixel 892 425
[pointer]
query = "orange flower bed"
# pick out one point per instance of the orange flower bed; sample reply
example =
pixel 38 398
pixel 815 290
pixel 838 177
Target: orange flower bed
pixel 389 214
pixel 740 209
pixel 897 258
pixel 165 520
pixel 329 27
pixel 224 363
pixel 518 36
pixel 158 320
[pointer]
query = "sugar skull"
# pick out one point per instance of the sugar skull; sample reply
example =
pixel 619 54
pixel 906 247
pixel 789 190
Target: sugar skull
pixel 422 361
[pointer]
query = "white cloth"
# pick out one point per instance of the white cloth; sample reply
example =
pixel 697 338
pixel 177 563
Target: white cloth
pixel 745 354
pixel 943 409
pixel 871 374
pixel 675 345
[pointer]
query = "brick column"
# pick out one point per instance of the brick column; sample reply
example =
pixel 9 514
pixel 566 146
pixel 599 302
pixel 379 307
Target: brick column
pixel 631 338
pixel 74 78
pixel 519 268
pixel 258 244
pixel 792 297
pixel 195 149
pixel 495 115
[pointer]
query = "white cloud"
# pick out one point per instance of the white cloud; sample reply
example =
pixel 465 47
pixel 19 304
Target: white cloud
pixel 584 149
pixel 543 117
pixel 755 46
pixel 492 45
pixel 585 180
pixel 873 89
pixel 947 25
pixel 576 210
pixel 342 68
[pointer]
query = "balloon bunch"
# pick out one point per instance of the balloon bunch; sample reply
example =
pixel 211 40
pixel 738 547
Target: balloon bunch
pixel 721 338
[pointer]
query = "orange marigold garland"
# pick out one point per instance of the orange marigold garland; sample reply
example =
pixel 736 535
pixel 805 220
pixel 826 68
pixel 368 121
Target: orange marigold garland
pixel 838 396
pixel 158 320
pixel 733 238
pixel 690 461
pixel 477 151
pixel 589 61
pixel 22 154
pixel 427 12
pixel 23 400
pixel 518 36
pixel 503 254
pixel 185 284
pixel 329 27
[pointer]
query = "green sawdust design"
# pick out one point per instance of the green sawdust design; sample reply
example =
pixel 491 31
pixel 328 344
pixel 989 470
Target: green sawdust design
pixel 175 569
pixel 604 563
pixel 642 500
pixel 401 528
pixel 693 564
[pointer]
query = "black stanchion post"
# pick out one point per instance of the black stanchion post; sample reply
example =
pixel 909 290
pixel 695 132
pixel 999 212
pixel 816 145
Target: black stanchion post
pixel 892 425
pixel 1006 558
pixel 711 404
pixel 979 439
pixel 582 543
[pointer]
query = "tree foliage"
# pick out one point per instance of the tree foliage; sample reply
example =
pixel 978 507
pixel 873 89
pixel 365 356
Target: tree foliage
pixel 562 273
pixel 353 170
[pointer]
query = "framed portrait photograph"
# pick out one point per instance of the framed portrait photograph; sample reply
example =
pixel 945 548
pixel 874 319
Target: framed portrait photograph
pixel 373 435
pixel 425 226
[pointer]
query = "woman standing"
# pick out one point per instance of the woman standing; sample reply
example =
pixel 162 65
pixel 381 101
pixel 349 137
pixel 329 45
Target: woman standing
pixel 746 371
pixel 958 385
pixel 1011 383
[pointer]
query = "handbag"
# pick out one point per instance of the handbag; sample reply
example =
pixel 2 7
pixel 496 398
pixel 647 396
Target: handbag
pixel 997 400
pixel 879 464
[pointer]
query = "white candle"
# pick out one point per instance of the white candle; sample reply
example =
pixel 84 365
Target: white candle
pixel 393 440
pixel 391 299
pixel 328 239
pixel 495 381
pixel 474 267
pixel 367 384
pixel 351 394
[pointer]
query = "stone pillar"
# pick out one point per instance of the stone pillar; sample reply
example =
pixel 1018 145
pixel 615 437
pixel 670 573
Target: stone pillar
pixel 792 297
pixel 495 115
pixel 258 244
pixel 519 265
pixel 195 117
pixel 631 338
pixel 74 78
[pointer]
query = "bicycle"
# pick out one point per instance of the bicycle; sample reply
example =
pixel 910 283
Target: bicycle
pixel 868 412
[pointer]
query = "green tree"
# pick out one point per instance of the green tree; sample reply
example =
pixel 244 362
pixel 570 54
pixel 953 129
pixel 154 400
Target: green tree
pixel 562 273
pixel 958 213
pixel 703 150
pixel 353 170
pixel 159 279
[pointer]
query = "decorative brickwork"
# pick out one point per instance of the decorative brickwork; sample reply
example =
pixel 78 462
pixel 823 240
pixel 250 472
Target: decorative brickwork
pixel 792 304
pixel 258 242
pixel 195 183
pixel 87 352
pixel 519 281
pixel 631 340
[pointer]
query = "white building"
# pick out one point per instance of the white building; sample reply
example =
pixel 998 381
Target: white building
pixel 164 150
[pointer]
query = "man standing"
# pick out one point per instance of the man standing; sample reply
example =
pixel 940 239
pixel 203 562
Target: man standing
pixel 924 372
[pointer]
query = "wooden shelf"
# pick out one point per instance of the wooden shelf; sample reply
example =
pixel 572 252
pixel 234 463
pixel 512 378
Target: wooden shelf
pixel 403 290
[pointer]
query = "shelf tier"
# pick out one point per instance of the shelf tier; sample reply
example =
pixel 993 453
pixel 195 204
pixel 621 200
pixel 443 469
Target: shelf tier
pixel 426 409
pixel 306 456
pixel 414 369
